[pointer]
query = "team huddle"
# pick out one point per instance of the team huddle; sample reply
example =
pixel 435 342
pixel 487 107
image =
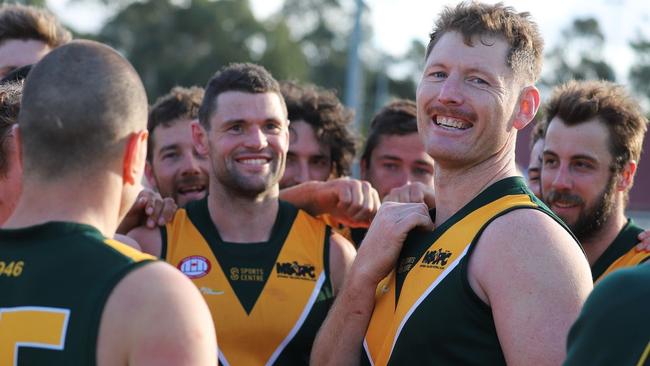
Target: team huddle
pixel 253 246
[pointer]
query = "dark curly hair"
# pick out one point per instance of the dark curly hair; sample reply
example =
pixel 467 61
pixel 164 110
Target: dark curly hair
pixel 323 111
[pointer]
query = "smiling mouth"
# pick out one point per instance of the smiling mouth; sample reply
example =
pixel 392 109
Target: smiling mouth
pixel 253 161
pixel 451 123
pixel 192 189
pixel 560 204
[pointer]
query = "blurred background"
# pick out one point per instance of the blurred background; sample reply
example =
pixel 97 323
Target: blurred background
pixel 368 50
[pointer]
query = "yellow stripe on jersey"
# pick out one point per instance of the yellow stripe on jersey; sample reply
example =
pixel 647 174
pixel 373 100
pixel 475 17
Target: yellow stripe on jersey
pixel 128 251
pixel 388 318
pixel 629 259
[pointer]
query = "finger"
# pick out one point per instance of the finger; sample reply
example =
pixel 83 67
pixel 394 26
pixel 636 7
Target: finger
pixel 156 208
pixel 168 210
pixel 344 195
pixel 356 201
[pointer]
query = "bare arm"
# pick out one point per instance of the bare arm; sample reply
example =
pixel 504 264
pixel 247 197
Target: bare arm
pixel 156 316
pixel 350 201
pixel 339 340
pixel 535 279
pixel 148 240
pixel 342 255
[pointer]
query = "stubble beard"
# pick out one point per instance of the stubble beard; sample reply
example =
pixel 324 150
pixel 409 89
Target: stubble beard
pixel 592 219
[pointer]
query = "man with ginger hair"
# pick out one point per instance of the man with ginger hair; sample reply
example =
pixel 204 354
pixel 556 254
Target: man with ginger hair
pixel 472 285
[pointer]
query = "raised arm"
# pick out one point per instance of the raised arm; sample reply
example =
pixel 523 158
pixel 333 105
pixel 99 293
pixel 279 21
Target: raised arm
pixel 156 316
pixel 339 340
pixel 352 202
pixel 535 278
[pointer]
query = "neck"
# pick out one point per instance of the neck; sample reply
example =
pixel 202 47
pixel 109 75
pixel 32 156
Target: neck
pixel 71 201
pixel 598 243
pixel 242 219
pixel 455 187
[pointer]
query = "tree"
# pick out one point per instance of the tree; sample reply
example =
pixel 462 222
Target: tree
pixel 639 75
pixel 170 43
pixel 578 55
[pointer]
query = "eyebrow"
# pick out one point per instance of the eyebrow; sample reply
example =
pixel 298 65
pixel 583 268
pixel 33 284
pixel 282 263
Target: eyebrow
pixel 168 147
pixel 390 157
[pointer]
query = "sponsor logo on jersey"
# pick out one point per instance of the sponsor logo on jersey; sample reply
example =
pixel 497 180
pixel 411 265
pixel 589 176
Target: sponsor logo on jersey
pixel 296 270
pixel 436 258
pixel 194 266
pixel 209 291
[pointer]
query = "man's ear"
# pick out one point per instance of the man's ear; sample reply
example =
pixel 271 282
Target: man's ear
pixel 527 107
pixel 135 156
pixel 626 176
pixel 200 138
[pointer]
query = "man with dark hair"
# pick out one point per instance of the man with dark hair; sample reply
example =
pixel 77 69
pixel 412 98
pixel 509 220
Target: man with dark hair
pixel 592 149
pixel 478 289
pixel 27 34
pixel 394 155
pixel 267 269
pixel 535 161
pixel 70 295
pixel 174 167
pixel 321 146
pixel 10 168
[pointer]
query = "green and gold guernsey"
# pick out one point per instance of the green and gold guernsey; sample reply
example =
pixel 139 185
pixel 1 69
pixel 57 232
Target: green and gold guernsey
pixel 426 312
pixel 614 327
pixel 54 281
pixel 267 299
pixel 621 253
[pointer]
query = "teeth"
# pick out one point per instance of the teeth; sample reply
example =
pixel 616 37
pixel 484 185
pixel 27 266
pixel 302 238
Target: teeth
pixel 191 189
pixel 254 161
pixel 452 122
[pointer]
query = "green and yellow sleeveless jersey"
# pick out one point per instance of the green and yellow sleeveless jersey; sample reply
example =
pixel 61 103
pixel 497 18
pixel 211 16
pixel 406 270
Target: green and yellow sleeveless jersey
pixel 268 299
pixel 54 281
pixel 614 327
pixel 426 311
pixel 621 253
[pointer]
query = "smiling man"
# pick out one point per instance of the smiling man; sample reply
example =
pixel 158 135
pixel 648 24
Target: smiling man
pixel 592 149
pixel 267 270
pixel 479 289
pixel 174 166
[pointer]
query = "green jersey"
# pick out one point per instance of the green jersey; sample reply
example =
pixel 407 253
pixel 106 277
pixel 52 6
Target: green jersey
pixel 54 281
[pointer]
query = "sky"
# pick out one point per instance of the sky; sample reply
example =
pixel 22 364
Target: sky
pixel 397 22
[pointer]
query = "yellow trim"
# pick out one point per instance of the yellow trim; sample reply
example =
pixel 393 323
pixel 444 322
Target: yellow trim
pixel 388 317
pixel 644 356
pixel 128 251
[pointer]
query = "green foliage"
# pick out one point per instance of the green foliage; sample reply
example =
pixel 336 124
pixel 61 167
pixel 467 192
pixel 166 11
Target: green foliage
pixel 171 44
pixel 640 72
pixel 578 55
pixel 175 42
